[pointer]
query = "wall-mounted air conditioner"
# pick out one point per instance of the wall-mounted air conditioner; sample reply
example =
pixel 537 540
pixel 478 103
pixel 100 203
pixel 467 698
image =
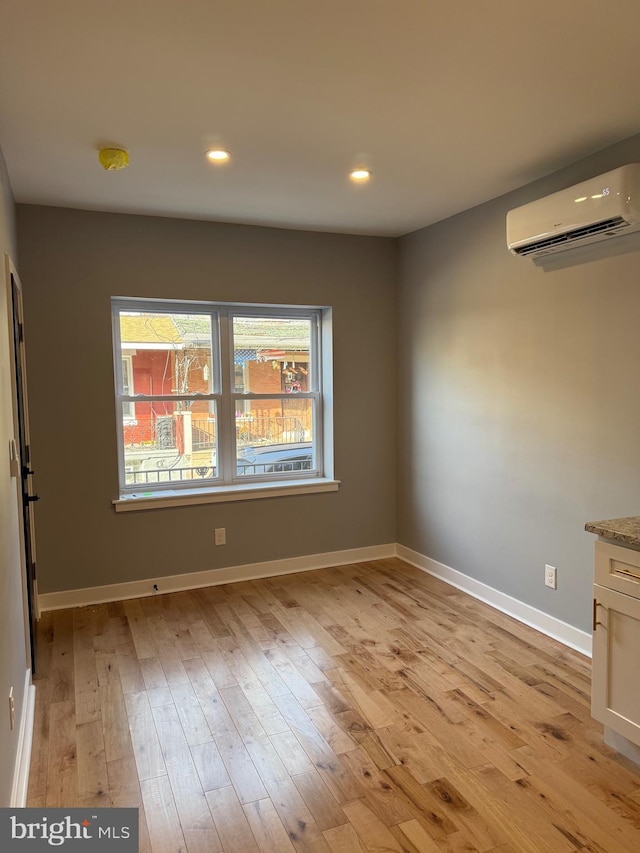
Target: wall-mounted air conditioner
pixel 602 207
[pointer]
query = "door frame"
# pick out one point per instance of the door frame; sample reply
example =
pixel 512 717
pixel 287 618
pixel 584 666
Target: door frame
pixel 11 278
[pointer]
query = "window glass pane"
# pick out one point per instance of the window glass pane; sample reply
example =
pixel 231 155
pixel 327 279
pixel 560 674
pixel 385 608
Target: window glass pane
pixel 127 387
pixel 271 355
pixel 169 353
pixel 126 381
pixel 170 443
pixel 274 436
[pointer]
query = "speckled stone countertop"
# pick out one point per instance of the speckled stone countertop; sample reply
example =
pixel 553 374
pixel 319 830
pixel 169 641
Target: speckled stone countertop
pixel 626 531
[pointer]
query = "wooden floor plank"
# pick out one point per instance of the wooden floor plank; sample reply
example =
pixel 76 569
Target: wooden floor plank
pixel 115 723
pixel 382 797
pixel 370 828
pixel 62 770
pixel 62 671
pixel 39 769
pixel 84 658
pixel 327 725
pixel 414 833
pixel 146 746
pixel 152 673
pixel 124 789
pixel 193 810
pixel 129 668
pixel 231 822
pixel 193 722
pixel 243 774
pixel 165 831
pixel 320 802
pixel 344 839
pixel 360 708
pixel 139 629
pixel 93 784
pixel 211 770
pixel 291 753
pixel 290 806
pixel 267 827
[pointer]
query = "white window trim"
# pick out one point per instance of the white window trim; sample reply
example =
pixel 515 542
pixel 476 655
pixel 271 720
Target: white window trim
pixel 248 487
pixel 166 498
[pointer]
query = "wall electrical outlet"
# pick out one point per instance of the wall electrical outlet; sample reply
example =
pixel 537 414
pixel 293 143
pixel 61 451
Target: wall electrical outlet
pixel 551 577
pixel 220 536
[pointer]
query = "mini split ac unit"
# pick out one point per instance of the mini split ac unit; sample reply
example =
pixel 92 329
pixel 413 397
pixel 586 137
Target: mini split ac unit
pixel 597 209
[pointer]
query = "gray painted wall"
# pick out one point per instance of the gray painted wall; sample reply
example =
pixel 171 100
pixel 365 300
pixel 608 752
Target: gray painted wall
pixel 519 411
pixel 13 660
pixel 72 263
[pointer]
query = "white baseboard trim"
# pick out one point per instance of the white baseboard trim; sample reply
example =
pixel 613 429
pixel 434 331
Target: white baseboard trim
pixel 211 577
pixel 25 741
pixel 543 622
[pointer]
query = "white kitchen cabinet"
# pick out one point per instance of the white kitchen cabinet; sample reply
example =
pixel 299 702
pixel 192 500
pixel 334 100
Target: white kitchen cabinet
pixel 615 693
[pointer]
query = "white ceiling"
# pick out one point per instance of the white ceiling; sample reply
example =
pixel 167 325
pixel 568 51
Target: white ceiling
pixel 449 104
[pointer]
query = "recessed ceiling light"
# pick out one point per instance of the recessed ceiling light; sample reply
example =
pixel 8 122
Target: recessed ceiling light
pixel 218 155
pixel 359 175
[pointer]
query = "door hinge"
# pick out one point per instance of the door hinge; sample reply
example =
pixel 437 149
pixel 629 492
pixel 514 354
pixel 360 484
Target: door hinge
pixel 20 333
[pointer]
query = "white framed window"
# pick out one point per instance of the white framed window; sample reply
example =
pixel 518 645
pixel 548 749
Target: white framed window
pixel 229 399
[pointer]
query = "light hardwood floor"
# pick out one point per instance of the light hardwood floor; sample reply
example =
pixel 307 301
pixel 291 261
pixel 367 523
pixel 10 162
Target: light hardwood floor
pixel 364 708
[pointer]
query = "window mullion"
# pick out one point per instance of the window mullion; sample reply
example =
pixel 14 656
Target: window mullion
pixel 300 395
pixel 165 398
pixel 226 434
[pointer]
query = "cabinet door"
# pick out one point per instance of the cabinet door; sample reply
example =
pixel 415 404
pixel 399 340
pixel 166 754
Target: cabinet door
pixel 615 690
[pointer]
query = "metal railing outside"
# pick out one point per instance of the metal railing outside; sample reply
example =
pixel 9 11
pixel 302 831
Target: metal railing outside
pixel 161 432
pixel 169 475
pixel 251 431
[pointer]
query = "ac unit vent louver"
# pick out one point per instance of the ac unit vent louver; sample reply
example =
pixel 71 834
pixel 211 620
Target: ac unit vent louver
pixel 610 226
pixel 601 208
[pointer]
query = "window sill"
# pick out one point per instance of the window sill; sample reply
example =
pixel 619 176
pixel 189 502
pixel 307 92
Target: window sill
pixel 223 494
